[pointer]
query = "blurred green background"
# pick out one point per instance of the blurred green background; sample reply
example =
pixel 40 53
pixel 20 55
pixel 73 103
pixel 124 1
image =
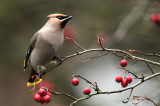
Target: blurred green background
pixel 125 24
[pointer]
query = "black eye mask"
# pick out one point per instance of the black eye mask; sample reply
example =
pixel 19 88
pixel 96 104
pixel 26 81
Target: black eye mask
pixel 60 17
pixel 64 19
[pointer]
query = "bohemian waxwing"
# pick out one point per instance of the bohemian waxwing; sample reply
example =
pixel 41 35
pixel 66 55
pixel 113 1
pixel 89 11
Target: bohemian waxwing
pixel 44 46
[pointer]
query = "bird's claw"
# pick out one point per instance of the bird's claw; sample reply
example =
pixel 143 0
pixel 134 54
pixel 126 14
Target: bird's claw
pixel 42 70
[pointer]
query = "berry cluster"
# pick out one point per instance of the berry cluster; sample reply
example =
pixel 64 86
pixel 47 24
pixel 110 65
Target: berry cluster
pixel 75 82
pixel 155 18
pixel 43 96
pixel 124 81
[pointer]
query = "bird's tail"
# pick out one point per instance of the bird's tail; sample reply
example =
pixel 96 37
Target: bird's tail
pixel 34 78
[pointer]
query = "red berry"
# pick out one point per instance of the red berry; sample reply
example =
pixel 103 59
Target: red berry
pixel 153 18
pixel 87 91
pixel 119 79
pixel 123 63
pixel 42 91
pixel 75 81
pixel 158 19
pixel 37 97
pixel 46 99
pixel 124 83
pixel 129 79
pixel 48 93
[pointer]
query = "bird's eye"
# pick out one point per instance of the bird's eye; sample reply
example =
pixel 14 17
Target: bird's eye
pixel 60 17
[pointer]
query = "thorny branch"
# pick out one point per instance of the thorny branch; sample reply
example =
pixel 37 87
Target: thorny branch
pixel 117 52
pixel 142 54
pixel 95 86
pixel 76 100
pixel 95 57
pixel 60 92
pixel 150 68
pixel 136 77
pixel 128 97
pixel 75 42
pixel 141 99
pixel 99 40
pixel 151 101
pixel 147 54
pixel 114 51
pixel 116 91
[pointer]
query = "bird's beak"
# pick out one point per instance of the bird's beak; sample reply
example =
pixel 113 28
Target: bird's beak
pixel 65 20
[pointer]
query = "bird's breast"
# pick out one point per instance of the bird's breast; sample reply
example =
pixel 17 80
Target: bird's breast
pixel 53 38
pixel 46 47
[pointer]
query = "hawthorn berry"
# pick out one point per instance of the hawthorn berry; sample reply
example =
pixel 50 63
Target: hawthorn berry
pixel 124 83
pixel 87 91
pixel 158 19
pixel 48 93
pixel 75 81
pixel 123 63
pixel 119 79
pixel 37 97
pixel 42 91
pixel 46 98
pixel 153 18
pixel 129 79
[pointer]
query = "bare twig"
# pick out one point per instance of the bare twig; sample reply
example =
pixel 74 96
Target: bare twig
pixel 95 86
pixel 128 97
pixel 151 101
pixel 147 54
pixel 62 93
pixel 95 57
pixel 117 52
pixel 134 62
pixel 136 77
pixel 99 40
pixel 142 54
pixel 149 67
pixel 141 99
pixel 117 91
pixel 75 43
pixel 108 50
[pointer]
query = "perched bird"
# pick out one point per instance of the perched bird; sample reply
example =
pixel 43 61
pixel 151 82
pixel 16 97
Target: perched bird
pixel 44 46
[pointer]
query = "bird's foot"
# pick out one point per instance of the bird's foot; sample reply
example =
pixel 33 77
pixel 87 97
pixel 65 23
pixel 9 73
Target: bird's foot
pixel 42 70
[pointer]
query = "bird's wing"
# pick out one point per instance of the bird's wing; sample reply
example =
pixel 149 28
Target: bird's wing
pixel 30 49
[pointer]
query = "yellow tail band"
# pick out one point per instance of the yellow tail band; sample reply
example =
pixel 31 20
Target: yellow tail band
pixel 24 63
pixel 34 83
